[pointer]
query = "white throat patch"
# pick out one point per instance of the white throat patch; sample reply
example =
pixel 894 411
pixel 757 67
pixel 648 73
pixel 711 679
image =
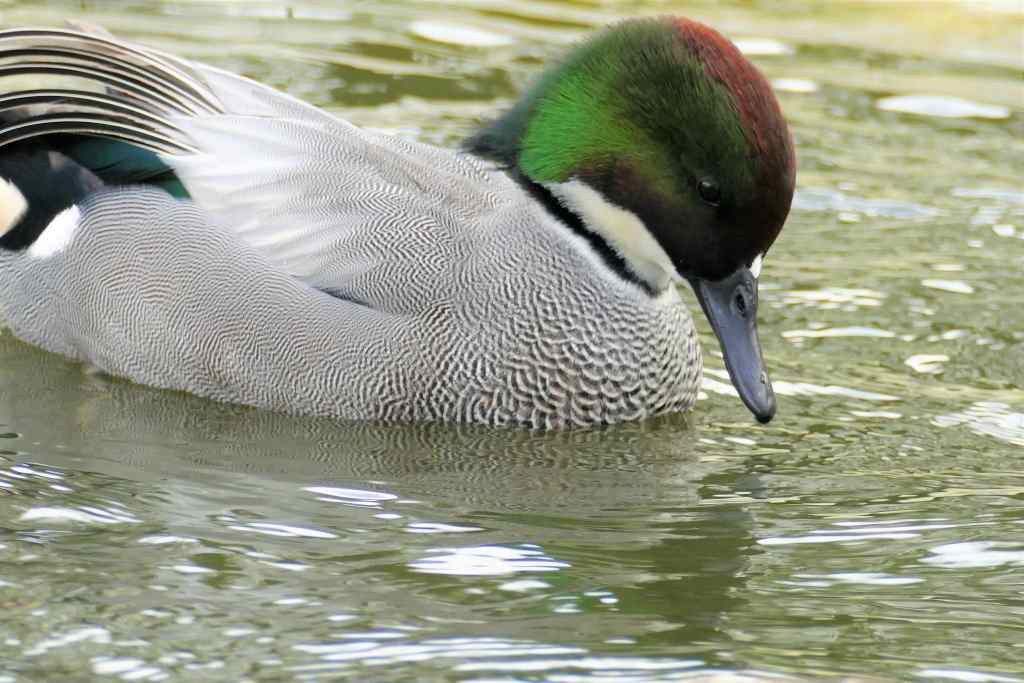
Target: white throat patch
pixel 621 229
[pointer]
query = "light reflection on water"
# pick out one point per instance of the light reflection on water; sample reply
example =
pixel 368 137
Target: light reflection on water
pixel 943 106
pixel 152 536
pixel 486 561
pixel 990 419
pixel 850 208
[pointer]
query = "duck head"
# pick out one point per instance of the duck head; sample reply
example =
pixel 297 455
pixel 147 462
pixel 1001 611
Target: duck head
pixel 666 145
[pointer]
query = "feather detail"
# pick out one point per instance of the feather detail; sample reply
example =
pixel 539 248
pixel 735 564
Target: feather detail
pixel 12 206
pixel 300 186
pixel 125 92
pixel 151 73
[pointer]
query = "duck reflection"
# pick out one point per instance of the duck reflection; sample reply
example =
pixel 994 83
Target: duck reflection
pixel 434 522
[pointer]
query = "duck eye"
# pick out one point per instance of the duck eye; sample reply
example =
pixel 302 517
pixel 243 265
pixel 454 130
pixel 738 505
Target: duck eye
pixel 709 192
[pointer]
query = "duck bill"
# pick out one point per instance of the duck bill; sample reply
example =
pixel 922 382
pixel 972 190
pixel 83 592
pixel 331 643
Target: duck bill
pixel 730 305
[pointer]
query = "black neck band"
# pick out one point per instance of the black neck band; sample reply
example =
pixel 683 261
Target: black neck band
pixel 608 255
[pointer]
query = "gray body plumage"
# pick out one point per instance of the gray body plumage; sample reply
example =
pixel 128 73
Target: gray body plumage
pixel 323 269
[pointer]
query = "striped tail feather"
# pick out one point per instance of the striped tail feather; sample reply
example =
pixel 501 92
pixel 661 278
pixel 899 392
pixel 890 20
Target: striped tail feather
pixel 36 113
pixel 125 93
pixel 99 111
pixel 289 179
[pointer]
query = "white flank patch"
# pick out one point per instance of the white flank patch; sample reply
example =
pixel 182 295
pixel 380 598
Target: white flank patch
pixel 621 229
pixel 12 205
pixel 57 234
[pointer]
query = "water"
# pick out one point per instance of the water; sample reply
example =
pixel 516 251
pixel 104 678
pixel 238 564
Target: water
pixel 875 529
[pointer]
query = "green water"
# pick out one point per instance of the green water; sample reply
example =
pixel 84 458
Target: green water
pixel 874 529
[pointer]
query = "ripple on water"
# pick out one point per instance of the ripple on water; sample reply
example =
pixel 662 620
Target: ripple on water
pixel 826 332
pixel 795 85
pixel 166 539
pixel 763 47
pixel 833 298
pixel 846 532
pixel 952 286
pixel 976 554
pixel 487 560
pixel 354 497
pixel 622 669
pixel 458 34
pixel 927 363
pixel 851 578
pixel 967 676
pixel 1006 196
pixel 126 668
pixel 472 648
pixel 990 418
pixel 502 657
pixel 524 586
pixel 283 530
pixel 877 414
pixel 722 386
pixel 806 389
pixel 84 514
pixel 820 199
pixel 439 528
pixel 83 634
pixel 1006 230
pixel 942 106
pixel 32 479
pixel 58 501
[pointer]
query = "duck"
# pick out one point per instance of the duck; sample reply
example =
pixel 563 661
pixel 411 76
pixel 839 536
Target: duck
pixel 170 223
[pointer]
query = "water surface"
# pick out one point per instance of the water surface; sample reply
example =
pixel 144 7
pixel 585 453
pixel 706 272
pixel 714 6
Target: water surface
pixel 875 529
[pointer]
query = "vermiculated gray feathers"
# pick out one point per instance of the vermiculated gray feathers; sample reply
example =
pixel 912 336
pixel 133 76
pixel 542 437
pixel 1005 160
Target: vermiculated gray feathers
pixel 324 269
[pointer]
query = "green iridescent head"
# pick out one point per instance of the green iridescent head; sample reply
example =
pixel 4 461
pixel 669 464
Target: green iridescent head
pixel 665 118
pixel 665 147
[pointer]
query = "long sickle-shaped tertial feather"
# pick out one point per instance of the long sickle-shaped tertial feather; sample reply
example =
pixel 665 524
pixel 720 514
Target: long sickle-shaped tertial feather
pixel 34 113
pixel 128 94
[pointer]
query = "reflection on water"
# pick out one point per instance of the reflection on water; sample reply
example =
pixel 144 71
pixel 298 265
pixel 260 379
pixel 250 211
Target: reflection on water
pixel 493 560
pixel 850 208
pixel 989 418
pixel 443 528
pixel 149 535
pixel 939 105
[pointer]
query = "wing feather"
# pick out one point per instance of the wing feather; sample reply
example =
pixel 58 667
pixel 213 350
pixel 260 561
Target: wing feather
pixel 301 186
